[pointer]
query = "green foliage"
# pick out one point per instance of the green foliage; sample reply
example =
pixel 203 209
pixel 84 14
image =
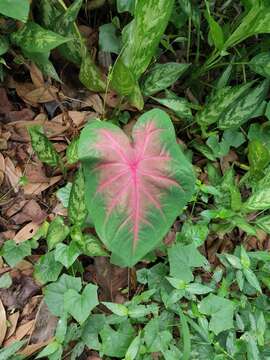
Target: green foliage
pixel 77 211
pixel 43 147
pixel 161 76
pixel 16 9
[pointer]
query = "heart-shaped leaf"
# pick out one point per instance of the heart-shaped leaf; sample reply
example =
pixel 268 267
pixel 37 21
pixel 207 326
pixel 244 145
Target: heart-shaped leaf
pixel 80 305
pixel 134 188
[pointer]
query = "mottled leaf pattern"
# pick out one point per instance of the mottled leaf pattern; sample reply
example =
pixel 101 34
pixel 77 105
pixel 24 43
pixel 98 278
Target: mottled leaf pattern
pixel 161 76
pixel 42 146
pixel 140 40
pixel 244 109
pixel 76 205
pixel 134 189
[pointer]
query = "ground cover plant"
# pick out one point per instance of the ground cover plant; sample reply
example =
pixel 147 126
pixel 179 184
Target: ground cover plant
pixel 135 179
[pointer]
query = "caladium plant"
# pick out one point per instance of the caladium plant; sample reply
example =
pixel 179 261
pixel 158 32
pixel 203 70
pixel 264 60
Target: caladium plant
pixel 135 188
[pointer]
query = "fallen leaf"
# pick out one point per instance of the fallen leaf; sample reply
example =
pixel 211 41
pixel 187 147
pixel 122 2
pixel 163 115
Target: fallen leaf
pixel 13 174
pixel 110 278
pixel 34 96
pixel 33 348
pixel 45 325
pixel 30 211
pixel 5 104
pixel 20 115
pixel 37 188
pixel 12 320
pixel 35 173
pixel 20 332
pixel 22 289
pixel 27 232
pixel 2 168
pixel 3 323
pixel 36 76
pixel 95 102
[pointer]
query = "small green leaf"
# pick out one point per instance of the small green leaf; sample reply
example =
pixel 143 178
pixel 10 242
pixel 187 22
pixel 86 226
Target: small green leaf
pixel 243 110
pixel 90 76
pixel 5 281
pixel 221 311
pixel 179 106
pixel 133 348
pixel 252 279
pixel 182 259
pixel 80 305
pixel 42 146
pixel 67 254
pixel 47 269
pixel 57 232
pixel 7 353
pixel 161 76
pixel 198 289
pixel 245 261
pixel 54 293
pixel 63 194
pixel 258 157
pixel 49 349
pixel 260 64
pixel 215 29
pixel 72 151
pixel 116 342
pixel 93 247
pixel 259 200
pixel 16 9
pixel 117 309
pixel 33 38
pixel 4 45
pixel 264 223
pixel 108 40
pixel 125 5
pixel 77 211
pixel 14 253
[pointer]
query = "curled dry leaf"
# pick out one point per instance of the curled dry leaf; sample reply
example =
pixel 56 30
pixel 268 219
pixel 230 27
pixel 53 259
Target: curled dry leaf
pixel 95 102
pixel 45 325
pixel 30 211
pixel 13 174
pixel 36 76
pixel 33 348
pixel 37 188
pixel 2 168
pixel 34 96
pixel 12 320
pixel 20 332
pixel 27 232
pixel 3 323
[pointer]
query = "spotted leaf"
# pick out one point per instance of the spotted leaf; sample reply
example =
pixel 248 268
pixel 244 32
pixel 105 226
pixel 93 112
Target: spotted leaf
pixel 135 188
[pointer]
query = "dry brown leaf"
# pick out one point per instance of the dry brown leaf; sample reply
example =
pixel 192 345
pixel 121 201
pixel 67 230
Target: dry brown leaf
pixel 95 102
pixel 2 168
pixel 36 189
pixel 20 332
pixel 45 325
pixel 27 232
pixel 13 320
pixel 35 173
pixel 3 323
pixel 5 104
pixel 13 174
pixel 30 212
pixel 32 306
pixel 24 266
pixel 34 96
pixel 36 76
pixel 14 207
pixel 33 348
pixel 20 115
pixel 78 117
